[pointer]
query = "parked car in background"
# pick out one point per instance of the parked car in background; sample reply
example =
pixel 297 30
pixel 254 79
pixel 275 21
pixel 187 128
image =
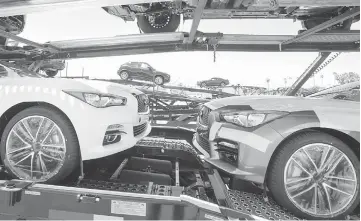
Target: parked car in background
pixel 142 71
pixel 45 130
pixel 305 150
pixel 213 82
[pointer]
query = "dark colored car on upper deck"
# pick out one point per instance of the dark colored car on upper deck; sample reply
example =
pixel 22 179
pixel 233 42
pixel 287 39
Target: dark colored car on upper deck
pixel 213 82
pixel 142 71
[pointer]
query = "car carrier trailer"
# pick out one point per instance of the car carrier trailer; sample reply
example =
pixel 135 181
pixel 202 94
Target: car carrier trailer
pixel 140 187
pixel 163 176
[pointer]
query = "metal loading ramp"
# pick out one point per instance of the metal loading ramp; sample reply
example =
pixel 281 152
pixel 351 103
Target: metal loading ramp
pixel 335 41
pixel 253 203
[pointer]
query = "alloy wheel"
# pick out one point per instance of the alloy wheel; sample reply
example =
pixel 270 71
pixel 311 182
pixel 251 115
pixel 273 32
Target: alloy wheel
pixel 158 80
pixel 124 75
pixel 159 20
pixel 320 180
pixel 35 148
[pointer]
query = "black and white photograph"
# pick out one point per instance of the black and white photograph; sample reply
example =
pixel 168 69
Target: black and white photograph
pixel 180 110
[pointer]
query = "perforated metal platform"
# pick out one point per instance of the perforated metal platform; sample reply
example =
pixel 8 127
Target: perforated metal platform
pixel 114 186
pixel 254 204
pixel 167 144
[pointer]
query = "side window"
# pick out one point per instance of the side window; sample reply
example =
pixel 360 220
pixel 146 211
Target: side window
pixel 142 66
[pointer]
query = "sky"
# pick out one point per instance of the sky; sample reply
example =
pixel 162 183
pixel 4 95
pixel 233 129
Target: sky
pixel 245 68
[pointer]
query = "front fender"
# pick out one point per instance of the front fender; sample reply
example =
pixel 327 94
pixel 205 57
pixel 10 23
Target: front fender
pixel 11 95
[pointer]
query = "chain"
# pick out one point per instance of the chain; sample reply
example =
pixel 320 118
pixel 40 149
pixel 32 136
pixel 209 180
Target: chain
pixel 326 63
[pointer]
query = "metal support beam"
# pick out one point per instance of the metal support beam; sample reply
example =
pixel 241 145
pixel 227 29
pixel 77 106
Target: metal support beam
pixel 307 74
pixel 196 20
pixel 289 3
pixel 333 41
pixel 118 41
pixel 338 19
pixel 28 42
pixel 21 7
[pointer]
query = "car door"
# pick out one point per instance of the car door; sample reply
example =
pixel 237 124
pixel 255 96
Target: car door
pixel 218 81
pixel 147 72
pixel 213 82
pixel 135 66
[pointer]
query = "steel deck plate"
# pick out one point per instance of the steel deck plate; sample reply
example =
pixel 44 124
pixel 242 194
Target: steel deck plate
pixel 254 204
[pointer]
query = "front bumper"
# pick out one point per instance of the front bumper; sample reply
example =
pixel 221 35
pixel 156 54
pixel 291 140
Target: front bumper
pixel 91 125
pixel 252 154
pixel 131 133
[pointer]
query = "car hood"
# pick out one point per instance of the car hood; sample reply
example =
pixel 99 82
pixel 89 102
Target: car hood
pixel 282 103
pixel 79 85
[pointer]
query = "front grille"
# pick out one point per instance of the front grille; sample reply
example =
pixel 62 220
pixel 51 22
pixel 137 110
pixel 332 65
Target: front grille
pixel 203 142
pixel 203 115
pixel 142 103
pixel 137 130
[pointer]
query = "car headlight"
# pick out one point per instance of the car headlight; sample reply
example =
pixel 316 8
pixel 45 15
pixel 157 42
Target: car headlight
pixel 99 100
pixel 251 118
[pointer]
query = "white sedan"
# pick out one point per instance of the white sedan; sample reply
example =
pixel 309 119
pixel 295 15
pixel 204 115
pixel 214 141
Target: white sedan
pixel 47 125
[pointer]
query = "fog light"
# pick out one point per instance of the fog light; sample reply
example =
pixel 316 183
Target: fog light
pixel 115 127
pixel 228 151
pixel 113 134
pixel 229 145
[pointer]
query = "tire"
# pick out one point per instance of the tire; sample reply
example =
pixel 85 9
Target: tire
pixel 69 161
pixel 51 73
pixel 276 175
pixel 170 26
pixel 124 75
pixel 223 84
pixel 158 80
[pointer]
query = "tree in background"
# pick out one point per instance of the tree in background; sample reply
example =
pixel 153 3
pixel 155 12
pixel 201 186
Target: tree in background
pixel 347 77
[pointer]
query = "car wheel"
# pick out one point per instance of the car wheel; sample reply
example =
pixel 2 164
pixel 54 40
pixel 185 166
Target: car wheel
pixel 164 22
pixel 223 84
pixel 159 80
pixel 124 75
pixel 315 176
pixel 203 85
pixel 39 144
pixel 51 73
